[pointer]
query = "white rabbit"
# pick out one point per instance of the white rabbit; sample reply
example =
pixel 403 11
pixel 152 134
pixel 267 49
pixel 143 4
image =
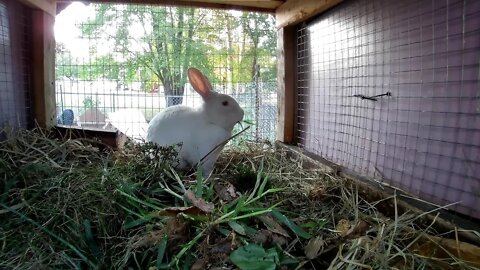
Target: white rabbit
pixel 198 130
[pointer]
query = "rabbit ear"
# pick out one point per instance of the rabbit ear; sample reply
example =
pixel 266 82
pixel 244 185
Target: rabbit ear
pixel 199 82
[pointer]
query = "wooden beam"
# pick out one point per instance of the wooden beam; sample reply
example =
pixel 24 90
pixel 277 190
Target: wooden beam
pixel 381 195
pixel 43 68
pixel 49 6
pixel 270 4
pixel 295 11
pixel 256 6
pixel 286 84
pixel 105 138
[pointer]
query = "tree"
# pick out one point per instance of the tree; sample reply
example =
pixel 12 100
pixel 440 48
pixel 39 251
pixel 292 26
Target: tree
pixel 257 27
pixel 65 64
pixel 166 44
pixel 156 45
pixel 228 25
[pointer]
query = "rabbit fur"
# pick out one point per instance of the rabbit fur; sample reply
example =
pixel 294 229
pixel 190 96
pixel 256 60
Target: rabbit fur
pixel 198 130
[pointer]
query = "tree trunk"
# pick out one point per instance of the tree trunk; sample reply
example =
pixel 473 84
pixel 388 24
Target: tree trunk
pixel 171 98
pixel 230 55
pixel 173 94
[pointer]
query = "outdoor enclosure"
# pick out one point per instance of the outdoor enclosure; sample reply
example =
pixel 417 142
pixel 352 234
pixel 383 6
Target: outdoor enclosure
pixel 115 57
pixel 363 147
pixel 424 138
pixel 15 80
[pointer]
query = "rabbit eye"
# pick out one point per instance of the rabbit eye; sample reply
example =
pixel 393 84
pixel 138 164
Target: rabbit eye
pixel 225 103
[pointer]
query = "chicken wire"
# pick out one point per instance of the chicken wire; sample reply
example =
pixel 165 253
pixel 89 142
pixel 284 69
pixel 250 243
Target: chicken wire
pixel 390 90
pixel 15 44
pixel 92 102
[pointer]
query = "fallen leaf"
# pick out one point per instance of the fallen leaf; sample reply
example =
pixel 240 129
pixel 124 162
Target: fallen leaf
pixel 318 193
pixel 199 202
pixel 278 239
pixel 225 190
pixel 318 246
pixel 358 230
pixel 216 249
pixel 266 237
pixel 314 247
pixel 176 228
pixel 149 240
pixel 223 248
pixel 343 226
pixel 174 211
pixel 199 265
pixel 439 249
pixel 273 225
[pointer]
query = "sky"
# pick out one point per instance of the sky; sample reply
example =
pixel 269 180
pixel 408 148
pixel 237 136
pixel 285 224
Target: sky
pixel 68 33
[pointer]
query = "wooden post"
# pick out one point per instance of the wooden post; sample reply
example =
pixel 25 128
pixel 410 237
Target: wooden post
pixel 43 68
pixel 48 6
pixel 286 84
pixel 289 14
pixel 293 12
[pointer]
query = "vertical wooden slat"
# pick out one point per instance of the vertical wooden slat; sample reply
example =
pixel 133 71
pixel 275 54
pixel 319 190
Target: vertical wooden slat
pixel 286 84
pixel 45 5
pixel 43 68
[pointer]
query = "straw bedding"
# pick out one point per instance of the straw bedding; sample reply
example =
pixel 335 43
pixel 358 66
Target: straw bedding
pixel 67 203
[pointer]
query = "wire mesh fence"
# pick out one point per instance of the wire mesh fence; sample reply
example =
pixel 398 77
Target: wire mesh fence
pixel 15 44
pixel 390 90
pixel 112 58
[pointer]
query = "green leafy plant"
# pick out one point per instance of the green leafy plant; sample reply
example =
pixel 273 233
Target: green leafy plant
pixel 89 103
pixel 255 257
pixel 85 207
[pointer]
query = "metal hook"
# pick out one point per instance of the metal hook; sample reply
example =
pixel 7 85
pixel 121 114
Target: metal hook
pixel 373 98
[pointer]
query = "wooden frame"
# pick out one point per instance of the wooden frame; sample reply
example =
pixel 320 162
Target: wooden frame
pixel 103 138
pixel 43 68
pixel 268 6
pixel 289 15
pixel 43 60
pixel 47 6
pixel 286 98
pixel 296 11
pixel 382 195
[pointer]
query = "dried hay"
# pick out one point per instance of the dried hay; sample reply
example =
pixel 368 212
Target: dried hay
pixel 66 204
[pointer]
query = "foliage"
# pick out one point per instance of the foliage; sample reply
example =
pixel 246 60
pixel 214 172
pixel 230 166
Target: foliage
pixel 255 257
pixel 156 44
pixel 72 203
pixel 65 65
pixel 89 103
pixel 74 194
pixel 256 27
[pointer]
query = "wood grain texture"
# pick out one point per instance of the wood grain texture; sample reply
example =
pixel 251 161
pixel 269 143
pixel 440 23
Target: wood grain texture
pixel 381 195
pixel 268 6
pixel 49 6
pixel 43 68
pixel 105 138
pixel 293 12
pixel 286 84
